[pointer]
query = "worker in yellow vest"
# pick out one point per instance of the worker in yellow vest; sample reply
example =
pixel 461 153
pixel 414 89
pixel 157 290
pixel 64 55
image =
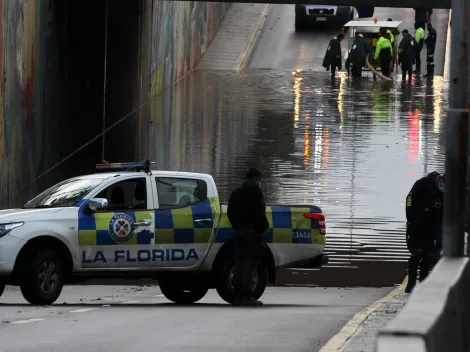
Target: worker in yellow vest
pixel 384 52
pixel 419 39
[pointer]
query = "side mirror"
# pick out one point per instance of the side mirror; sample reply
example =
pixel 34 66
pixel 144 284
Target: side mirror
pixel 96 204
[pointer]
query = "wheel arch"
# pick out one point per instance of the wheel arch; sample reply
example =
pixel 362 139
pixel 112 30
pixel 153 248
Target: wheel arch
pixel 227 249
pixel 39 243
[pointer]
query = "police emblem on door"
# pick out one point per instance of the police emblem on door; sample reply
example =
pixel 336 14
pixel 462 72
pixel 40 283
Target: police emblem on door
pixel 121 227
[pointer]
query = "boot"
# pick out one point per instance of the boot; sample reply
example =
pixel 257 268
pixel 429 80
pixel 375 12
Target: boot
pixel 248 302
pixel 411 284
pixel 413 264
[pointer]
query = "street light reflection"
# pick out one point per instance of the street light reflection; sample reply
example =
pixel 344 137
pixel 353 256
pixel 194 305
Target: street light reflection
pixel 297 95
pixel 438 87
pixel 343 78
pixel 307 140
pixel 414 141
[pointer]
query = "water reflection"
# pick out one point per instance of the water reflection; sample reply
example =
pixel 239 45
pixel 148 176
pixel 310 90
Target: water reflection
pixel 352 147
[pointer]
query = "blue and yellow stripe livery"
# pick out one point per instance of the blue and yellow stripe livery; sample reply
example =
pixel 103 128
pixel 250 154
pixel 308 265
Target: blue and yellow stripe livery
pixel 179 226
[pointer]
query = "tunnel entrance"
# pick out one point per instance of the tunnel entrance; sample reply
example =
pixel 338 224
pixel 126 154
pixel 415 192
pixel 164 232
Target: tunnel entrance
pixel 100 50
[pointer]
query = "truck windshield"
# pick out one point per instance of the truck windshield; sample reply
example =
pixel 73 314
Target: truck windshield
pixel 64 194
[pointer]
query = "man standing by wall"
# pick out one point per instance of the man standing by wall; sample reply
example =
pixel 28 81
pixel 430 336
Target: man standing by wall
pixel 430 42
pixel 247 215
pixel 424 216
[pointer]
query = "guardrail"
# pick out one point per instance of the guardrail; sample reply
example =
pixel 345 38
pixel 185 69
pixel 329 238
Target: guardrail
pixel 436 318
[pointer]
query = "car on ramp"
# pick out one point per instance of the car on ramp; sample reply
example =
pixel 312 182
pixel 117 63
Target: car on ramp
pixel 310 15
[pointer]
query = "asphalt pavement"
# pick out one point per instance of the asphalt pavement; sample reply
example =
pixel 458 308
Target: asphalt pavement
pixel 281 47
pixel 130 318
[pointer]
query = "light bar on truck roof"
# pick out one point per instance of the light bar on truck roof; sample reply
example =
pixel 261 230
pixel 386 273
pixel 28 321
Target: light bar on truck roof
pixel 127 165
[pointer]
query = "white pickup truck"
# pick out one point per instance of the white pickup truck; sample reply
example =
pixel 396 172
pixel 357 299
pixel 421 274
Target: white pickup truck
pixel 164 225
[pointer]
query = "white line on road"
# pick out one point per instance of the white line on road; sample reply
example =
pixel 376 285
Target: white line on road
pixel 352 328
pixel 130 302
pixel 82 310
pixel 159 295
pixel 28 321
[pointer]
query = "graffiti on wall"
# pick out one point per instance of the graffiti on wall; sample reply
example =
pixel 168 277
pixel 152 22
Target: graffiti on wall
pixel 33 120
pixel 181 31
pixel 19 93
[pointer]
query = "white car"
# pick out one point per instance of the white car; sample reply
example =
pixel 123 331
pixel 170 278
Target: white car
pixel 144 224
pixel 309 15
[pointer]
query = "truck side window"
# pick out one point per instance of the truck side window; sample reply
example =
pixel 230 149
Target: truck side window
pixel 126 195
pixel 180 192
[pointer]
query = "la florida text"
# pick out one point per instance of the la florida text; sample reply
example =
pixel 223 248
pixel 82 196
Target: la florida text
pixel 141 255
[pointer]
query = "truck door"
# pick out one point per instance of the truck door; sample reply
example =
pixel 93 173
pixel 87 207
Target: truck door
pixel 185 218
pixel 122 235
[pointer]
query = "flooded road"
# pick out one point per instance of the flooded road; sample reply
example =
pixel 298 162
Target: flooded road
pixel 352 148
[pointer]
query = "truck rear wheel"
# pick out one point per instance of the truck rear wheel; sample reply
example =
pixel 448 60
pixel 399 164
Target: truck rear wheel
pixel 225 281
pixel 2 288
pixel 182 294
pixel 42 278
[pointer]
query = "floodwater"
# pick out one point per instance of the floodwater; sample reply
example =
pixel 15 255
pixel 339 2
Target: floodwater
pixel 352 148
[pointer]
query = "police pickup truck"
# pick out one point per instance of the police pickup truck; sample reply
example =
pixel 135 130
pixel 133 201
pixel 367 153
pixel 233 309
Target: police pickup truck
pixel 163 225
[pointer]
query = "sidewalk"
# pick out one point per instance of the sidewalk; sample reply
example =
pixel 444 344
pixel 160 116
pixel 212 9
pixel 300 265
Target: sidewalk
pixel 365 339
pixel 236 37
pixel 360 333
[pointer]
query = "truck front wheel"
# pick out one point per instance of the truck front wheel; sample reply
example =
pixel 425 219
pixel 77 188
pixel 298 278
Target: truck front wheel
pixel 182 294
pixel 225 287
pixel 42 278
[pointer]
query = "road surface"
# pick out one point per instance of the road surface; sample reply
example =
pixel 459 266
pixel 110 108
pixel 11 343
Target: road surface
pixel 120 318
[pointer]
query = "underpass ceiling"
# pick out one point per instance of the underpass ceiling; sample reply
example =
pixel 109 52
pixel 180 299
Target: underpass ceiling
pixel 434 4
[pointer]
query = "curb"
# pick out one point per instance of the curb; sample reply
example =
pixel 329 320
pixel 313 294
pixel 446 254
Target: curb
pixel 252 40
pixel 447 49
pixel 352 328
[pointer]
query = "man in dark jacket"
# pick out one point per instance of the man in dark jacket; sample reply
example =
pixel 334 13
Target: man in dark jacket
pixel 430 42
pixel 357 56
pixel 247 215
pixel 332 58
pixel 406 54
pixel 424 215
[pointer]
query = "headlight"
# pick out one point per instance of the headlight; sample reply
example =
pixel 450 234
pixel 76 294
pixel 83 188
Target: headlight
pixel 5 228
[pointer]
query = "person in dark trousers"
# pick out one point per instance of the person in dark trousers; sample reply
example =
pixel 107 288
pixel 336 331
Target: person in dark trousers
pixel 419 39
pixel 406 54
pixel 247 215
pixel 430 42
pixel 332 59
pixel 424 215
pixel 357 56
pixel 383 52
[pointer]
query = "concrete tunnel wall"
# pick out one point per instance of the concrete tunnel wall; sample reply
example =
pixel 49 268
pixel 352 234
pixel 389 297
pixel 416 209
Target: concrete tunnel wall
pixel 52 91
